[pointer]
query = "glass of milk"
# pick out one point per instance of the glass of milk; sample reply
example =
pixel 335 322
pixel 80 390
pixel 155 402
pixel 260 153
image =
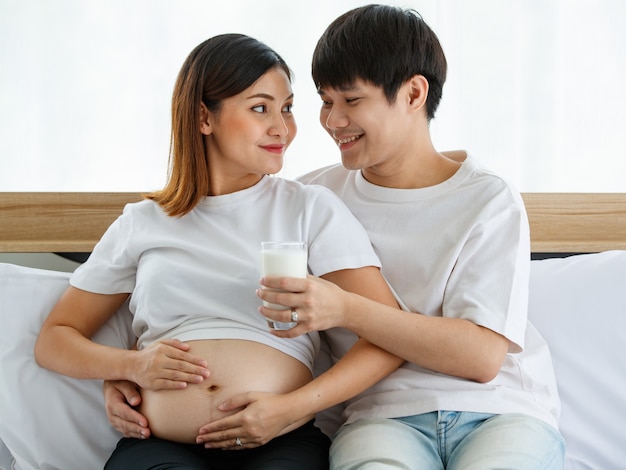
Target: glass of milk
pixel 285 259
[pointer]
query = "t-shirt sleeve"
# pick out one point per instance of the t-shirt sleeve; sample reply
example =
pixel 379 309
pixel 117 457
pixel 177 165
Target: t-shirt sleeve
pixel 337 240
pixel 489 283
pixel 111 268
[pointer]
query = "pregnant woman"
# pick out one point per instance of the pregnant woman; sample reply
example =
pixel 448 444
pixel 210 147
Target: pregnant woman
pixel 188 258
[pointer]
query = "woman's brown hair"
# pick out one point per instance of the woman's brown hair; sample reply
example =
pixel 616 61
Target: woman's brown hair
pixel 218 68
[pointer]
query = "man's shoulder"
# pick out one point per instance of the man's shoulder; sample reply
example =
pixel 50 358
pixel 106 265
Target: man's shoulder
pixel 325 175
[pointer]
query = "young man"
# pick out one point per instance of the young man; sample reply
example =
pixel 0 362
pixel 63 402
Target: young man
pixel 477 389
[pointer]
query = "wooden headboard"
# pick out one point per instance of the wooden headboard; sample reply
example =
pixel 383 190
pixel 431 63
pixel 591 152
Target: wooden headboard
pixel 73 222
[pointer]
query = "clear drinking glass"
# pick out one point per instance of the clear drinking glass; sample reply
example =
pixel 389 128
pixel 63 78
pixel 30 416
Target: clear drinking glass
pixel 286 259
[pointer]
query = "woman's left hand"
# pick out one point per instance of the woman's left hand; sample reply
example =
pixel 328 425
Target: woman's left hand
pixel 261 417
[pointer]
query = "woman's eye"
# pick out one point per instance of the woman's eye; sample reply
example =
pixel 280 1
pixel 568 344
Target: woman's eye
pixel 259 109
pixel 288 108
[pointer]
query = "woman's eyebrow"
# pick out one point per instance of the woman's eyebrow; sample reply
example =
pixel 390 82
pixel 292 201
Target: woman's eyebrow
pixel 267 96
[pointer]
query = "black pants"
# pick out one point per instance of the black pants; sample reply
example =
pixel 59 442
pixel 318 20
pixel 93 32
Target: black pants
pixel 305 448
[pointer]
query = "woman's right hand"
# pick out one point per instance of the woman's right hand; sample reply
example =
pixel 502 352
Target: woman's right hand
pixel 167 364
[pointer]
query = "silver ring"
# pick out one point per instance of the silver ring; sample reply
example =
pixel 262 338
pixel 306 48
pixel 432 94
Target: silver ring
pixel 294 315
pixel 238 442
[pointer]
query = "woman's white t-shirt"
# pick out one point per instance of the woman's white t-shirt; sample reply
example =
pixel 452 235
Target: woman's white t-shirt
pixel 195 276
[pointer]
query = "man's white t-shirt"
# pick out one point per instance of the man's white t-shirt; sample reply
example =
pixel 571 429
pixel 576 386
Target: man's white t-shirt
pixel 195 276
pixel 458 249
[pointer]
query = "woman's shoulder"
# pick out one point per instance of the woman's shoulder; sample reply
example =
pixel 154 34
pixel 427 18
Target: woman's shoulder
pixel 145 207
pixel 145 213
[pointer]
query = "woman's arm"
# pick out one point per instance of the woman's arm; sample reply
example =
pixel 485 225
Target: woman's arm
pixel 268 415
pixel 64 346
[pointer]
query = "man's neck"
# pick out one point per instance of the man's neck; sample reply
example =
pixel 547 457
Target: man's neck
pixel 423 170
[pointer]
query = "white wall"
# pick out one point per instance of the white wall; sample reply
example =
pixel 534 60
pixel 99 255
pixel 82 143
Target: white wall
pixel 534 88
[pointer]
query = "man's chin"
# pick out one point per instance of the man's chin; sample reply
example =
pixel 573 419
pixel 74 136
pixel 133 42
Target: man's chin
pixel 350 163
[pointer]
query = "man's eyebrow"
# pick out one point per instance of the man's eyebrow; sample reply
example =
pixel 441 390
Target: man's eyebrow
pixel 344 88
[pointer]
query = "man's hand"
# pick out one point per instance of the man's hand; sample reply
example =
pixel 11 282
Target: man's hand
pixel 119 397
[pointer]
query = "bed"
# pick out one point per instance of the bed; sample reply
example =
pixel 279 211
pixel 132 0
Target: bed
pixel 577 301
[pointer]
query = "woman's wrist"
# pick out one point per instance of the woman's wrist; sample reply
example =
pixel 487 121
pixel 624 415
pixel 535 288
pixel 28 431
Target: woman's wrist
pixel 128 366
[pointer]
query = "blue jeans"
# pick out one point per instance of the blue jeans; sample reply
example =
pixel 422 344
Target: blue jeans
pixel 448 440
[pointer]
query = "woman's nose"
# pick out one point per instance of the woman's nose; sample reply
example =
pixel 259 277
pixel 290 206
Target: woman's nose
pixel 279 126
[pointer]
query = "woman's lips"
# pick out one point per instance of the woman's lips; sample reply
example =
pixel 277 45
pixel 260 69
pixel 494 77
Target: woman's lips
pixel 274 148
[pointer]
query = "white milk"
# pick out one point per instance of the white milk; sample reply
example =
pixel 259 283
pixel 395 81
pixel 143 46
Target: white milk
pixel 287 259
pixel 284 263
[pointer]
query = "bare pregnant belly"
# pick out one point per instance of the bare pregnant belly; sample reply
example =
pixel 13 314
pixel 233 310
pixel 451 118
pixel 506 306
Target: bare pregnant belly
pixel 236 366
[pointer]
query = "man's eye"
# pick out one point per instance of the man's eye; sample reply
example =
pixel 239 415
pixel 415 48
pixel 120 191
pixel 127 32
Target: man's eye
pixel 259 109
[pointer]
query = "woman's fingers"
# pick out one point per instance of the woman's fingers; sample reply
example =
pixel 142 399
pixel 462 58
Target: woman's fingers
pixel 166 365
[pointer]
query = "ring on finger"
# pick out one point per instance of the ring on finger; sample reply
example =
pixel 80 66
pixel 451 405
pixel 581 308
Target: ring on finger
pixel 294 315
pixel 238 442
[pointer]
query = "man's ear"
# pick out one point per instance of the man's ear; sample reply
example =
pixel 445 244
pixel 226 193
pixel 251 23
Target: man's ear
pixel 417 91
pixel 205 121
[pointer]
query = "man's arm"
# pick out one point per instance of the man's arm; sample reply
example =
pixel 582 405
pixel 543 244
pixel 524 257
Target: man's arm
pixel 451 346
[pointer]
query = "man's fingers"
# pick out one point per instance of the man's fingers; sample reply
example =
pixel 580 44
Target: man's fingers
pixel 130 392
pixel 129 422
pixel 130 428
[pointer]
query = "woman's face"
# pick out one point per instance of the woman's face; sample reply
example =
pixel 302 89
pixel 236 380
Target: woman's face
pixel 249 135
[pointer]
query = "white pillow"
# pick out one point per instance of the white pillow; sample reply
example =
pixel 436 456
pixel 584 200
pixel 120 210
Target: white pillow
pixel 49 421
pixel 579 305
pixel 6 459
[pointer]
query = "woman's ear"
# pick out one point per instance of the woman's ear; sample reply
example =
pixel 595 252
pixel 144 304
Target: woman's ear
pixel 205 122
pixel 417 91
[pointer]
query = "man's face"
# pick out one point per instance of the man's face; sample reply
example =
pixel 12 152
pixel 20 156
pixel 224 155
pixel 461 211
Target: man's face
pixel 371 133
